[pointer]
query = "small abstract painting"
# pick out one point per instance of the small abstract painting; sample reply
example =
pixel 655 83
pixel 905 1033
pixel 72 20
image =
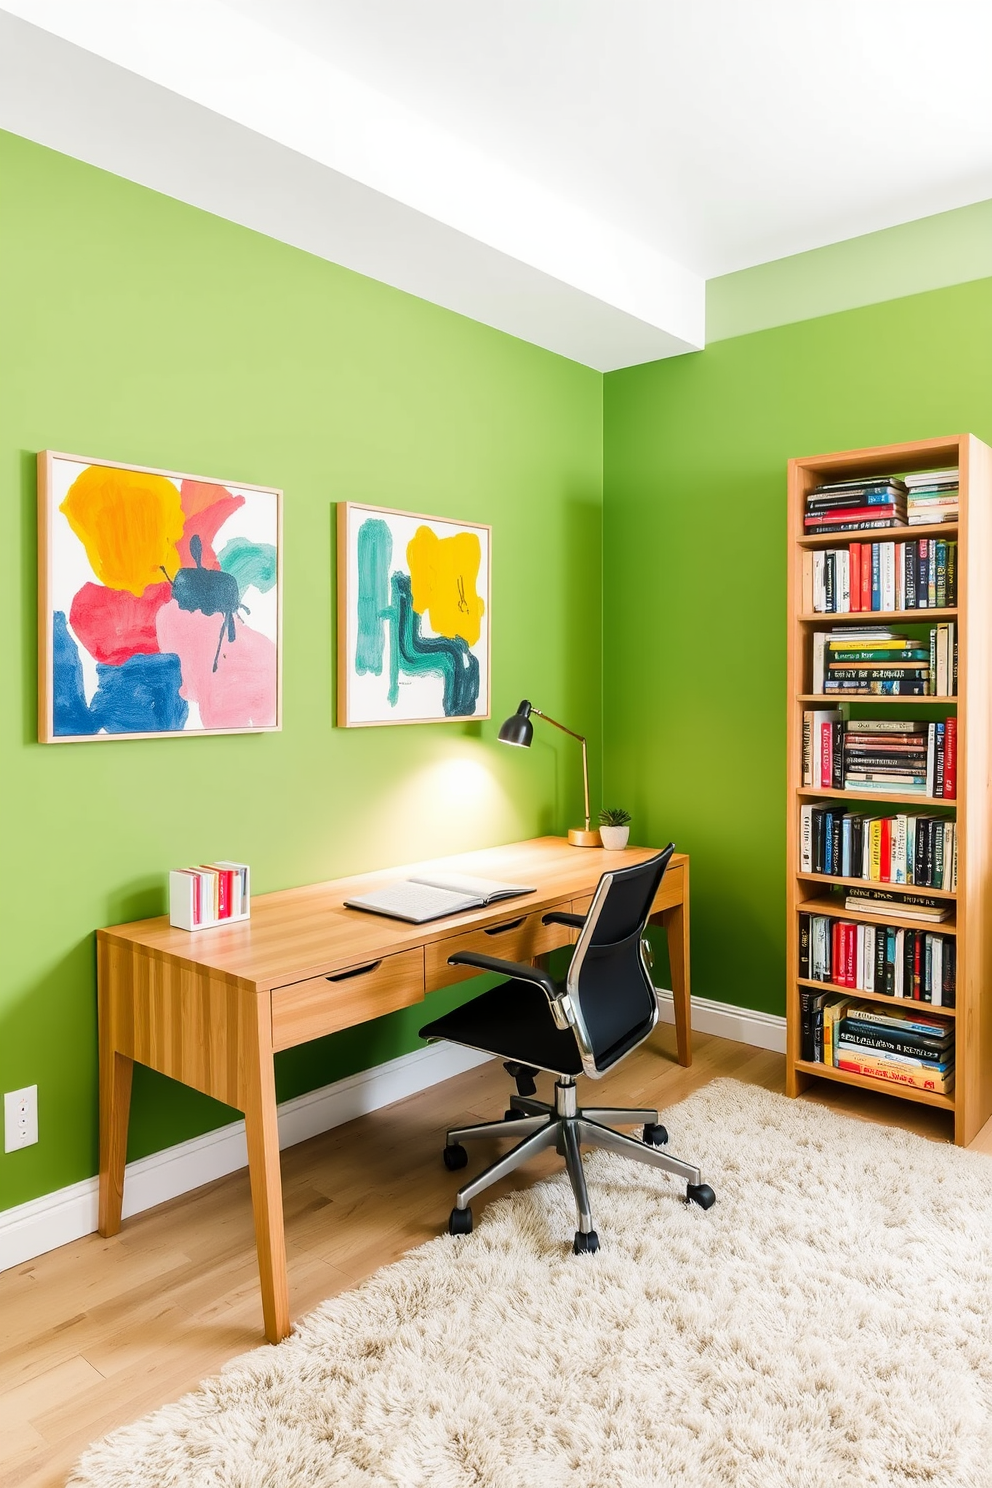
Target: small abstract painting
pixel 159 600
pixel 413 618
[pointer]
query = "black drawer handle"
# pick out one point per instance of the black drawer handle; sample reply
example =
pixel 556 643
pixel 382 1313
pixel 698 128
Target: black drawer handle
pixel 510 925
pixel 343 976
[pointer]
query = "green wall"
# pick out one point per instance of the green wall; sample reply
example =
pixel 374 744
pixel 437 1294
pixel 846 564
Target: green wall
pixel 694 581
pixel 928 253
pixel 135 328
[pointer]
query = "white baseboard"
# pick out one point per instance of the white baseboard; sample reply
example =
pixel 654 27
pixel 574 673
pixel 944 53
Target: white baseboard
pixel 743 1025
pixel 31 1229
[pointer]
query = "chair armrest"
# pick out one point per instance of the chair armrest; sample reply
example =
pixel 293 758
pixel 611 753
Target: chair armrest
pixel 519 970
pixel 560 917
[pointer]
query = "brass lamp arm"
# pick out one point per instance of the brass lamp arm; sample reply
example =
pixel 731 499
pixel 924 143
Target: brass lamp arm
pixel 585 757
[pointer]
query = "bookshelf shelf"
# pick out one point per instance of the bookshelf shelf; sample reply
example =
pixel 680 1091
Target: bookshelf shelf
pixel 899 1002
pixel 866 1082
pixel 871 883
pixel 970 1105
pixel 872 700
pixel 835 908
pixel 812 793
pixel 875 617
pixel 877 534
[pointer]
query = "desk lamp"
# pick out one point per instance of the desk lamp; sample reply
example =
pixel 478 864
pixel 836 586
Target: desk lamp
pixel 519 730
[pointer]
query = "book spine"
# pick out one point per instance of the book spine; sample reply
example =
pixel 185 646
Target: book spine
pixel 895 1074
pixel 854 566
pixel 950 759
pixel 923 575
pixel 806 839
pixel 876 576
pixel 826 755
pixel 804 945
pixel 940 580
pixel 938 769
pixel 910 561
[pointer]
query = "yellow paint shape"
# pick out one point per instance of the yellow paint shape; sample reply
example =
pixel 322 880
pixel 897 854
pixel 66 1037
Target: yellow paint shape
pixel 443 575
pixel 129 524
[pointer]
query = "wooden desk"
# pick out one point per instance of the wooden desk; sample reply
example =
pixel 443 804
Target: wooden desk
pixel 212 1008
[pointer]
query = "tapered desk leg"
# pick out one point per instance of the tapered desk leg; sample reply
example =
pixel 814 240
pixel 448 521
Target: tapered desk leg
pixel 266 1195
pixel 115 1106
pixel 676 923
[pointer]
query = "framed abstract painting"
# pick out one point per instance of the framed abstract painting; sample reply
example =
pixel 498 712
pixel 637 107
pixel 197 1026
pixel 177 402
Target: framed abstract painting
pixel 413 617
pixel 160 601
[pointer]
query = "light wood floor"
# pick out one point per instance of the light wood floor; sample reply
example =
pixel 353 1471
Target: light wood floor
pixel 99 1332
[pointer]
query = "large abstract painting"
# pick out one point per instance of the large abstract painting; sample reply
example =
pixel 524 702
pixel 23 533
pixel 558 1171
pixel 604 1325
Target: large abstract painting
pixel 159 599
pixel 413 618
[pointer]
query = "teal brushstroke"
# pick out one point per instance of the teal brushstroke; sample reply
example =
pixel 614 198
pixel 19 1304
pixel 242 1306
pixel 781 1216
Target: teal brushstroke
pixel 252 564
pixel 375 551
pixel 419 655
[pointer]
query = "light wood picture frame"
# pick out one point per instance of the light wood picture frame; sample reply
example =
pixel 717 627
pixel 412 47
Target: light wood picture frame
pixel 413 617
pixel 159 603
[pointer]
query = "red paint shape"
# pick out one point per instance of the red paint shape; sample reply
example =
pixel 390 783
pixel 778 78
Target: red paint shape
pixel 114 624
pixel 241 693
pixel 206 509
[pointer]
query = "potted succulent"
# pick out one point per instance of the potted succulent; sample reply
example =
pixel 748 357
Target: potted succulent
pixel 614 827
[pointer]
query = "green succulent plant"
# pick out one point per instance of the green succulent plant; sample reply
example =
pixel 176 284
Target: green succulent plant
pixel 613 816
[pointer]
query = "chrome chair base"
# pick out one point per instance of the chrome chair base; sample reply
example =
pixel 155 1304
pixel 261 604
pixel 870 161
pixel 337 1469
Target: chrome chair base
pixel 566 1127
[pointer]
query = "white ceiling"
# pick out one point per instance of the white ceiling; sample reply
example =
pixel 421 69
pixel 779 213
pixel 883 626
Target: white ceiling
pixel 568 170
pixel 723 133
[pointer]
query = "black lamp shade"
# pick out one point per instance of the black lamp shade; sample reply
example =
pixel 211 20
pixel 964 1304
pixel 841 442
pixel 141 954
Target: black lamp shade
pixel 518 729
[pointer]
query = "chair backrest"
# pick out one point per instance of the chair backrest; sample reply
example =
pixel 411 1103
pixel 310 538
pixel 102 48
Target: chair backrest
pixel 609 985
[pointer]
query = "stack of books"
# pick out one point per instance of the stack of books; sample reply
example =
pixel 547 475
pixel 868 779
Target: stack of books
pixel 208 894
pixel 891 960
pixel 901 849
pixel 879 661
pixel 899 1045
pixel 932 496
pixel 883 755
pixel 855 505
pixel 920 575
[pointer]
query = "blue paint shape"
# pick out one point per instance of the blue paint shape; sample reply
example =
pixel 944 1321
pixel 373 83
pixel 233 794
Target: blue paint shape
pixel 447 657
pixel 374 553
pixel 251 564
pixel 141 695
pixel 70 710
pixel 209 590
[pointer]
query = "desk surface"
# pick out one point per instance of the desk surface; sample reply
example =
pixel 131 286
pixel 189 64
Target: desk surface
pixel 304 932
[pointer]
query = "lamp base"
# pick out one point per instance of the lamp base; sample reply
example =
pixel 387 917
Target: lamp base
pixel 578 837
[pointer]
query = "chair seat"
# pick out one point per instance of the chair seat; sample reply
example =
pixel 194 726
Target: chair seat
pixel 512 1020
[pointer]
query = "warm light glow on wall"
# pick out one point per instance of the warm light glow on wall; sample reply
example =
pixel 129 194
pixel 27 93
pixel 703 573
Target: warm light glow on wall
pixel 452 804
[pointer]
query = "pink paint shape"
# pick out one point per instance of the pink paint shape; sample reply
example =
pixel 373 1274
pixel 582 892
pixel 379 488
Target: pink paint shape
pixel 206 509
pixel 114 624
pixel 241 693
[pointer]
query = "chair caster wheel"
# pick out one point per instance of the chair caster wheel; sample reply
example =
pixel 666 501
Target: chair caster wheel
pixel 460 1222
pixel 511 1115
pixel 454 1156
pixel 701 1194
pixel 586 1244
pixel 655 1135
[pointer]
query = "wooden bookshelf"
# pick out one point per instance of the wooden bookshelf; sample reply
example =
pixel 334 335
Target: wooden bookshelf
pixel 970 1105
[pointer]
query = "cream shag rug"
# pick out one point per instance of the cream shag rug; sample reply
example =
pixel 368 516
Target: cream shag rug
pixel 828 1324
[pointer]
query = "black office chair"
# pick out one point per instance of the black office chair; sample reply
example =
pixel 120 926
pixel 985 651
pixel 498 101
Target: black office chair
pixel 603 1010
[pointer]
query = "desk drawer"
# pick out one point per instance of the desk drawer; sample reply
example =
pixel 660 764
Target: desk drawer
pixel 517 938
pixel 307 1010
pixel 670 892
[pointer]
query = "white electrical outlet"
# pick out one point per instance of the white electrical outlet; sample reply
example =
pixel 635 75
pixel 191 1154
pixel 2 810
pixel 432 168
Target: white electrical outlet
pixel 20 1118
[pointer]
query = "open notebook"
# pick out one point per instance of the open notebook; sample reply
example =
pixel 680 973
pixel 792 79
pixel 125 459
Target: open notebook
pixel 420 899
